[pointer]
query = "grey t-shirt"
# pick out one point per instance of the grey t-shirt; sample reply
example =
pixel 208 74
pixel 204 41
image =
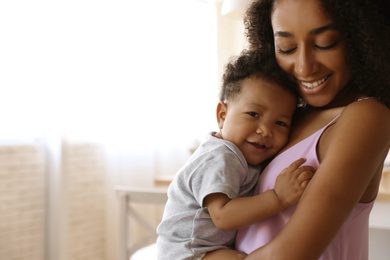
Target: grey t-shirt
pixel 186 230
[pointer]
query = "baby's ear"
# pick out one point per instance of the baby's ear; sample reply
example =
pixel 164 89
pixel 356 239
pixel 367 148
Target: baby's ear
pixel 221 114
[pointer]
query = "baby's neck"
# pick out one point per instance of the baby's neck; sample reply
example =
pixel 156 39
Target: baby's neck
pixel 217 135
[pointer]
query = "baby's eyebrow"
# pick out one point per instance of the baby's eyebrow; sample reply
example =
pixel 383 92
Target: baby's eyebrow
pixel 286 117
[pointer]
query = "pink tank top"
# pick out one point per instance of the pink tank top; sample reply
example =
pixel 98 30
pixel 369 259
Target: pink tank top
pixel 351 241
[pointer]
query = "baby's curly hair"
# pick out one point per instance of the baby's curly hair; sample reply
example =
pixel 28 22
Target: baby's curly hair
pixel 365 25
pixel 252 63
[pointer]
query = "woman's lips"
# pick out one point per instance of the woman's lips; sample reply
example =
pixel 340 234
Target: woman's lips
pixel 312 85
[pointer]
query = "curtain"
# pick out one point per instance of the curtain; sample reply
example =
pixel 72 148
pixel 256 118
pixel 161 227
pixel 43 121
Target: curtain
pixel 137 76
pixel 137 80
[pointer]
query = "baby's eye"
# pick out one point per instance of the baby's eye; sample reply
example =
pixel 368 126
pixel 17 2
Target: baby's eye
pixel 281 123
pixel 253 114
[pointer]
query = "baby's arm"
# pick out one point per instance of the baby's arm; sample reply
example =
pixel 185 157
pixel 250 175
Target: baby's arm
pixel 228 214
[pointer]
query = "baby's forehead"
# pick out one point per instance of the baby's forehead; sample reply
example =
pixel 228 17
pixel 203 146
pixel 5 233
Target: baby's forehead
pixel 266 80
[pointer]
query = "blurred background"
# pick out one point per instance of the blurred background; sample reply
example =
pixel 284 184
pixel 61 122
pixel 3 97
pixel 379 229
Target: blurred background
pixel 96 94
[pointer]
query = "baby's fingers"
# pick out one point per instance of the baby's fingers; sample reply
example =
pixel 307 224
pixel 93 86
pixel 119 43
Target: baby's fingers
pixel 305 177
pixel 295 165
pixel 305 168
pixel 304 184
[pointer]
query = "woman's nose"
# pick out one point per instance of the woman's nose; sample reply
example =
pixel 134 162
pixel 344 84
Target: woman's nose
pixel 305 64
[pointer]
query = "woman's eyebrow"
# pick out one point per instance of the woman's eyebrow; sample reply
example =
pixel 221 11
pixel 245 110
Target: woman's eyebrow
pixel 283 34
pixel 314 31
pixel 322 29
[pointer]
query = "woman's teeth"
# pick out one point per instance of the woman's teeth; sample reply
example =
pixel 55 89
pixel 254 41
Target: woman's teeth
pixel 314 84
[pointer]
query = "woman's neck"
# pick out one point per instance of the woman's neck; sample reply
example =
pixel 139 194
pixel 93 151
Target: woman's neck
pixel 345 97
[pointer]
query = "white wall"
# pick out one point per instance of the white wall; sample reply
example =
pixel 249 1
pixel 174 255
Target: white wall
pixel 231 38
pixel 379 244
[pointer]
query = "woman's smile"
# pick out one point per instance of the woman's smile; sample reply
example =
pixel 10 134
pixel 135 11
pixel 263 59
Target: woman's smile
pixel 314 84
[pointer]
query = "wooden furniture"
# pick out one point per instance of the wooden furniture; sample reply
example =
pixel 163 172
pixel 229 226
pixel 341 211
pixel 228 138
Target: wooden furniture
pixel 380 214
pixel 384 188
pixel 127 196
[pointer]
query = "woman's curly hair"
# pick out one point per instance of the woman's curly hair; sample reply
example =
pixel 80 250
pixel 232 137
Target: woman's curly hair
pixel 365 25
pixel 252 63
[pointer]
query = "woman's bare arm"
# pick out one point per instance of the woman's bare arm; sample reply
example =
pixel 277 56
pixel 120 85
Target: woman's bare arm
pixel 351 153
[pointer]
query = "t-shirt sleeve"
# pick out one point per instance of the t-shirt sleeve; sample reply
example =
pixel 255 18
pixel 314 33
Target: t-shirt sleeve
pixel 223 173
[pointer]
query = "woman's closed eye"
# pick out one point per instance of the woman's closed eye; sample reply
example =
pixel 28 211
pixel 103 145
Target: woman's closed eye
pixel 285 46
pixel 288 51
pixel 327 47
pixel 319 47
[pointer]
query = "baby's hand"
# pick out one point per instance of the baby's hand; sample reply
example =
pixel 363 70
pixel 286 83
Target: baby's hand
pixel 292 181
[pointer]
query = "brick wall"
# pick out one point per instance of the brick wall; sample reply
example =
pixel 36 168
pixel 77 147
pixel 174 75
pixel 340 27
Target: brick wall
pixel 22 202
pixel 85 177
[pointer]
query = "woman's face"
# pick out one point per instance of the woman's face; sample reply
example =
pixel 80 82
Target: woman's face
pixel 310 49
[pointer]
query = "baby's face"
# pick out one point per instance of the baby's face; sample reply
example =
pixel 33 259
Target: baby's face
pixel 258 119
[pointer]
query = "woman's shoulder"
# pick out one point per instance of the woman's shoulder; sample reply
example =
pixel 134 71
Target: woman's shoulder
pixel 366 116
pixel 361 123
pixel 370 109
pixel 368 102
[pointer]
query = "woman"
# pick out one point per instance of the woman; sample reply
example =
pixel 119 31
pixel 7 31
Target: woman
pixel 337 52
